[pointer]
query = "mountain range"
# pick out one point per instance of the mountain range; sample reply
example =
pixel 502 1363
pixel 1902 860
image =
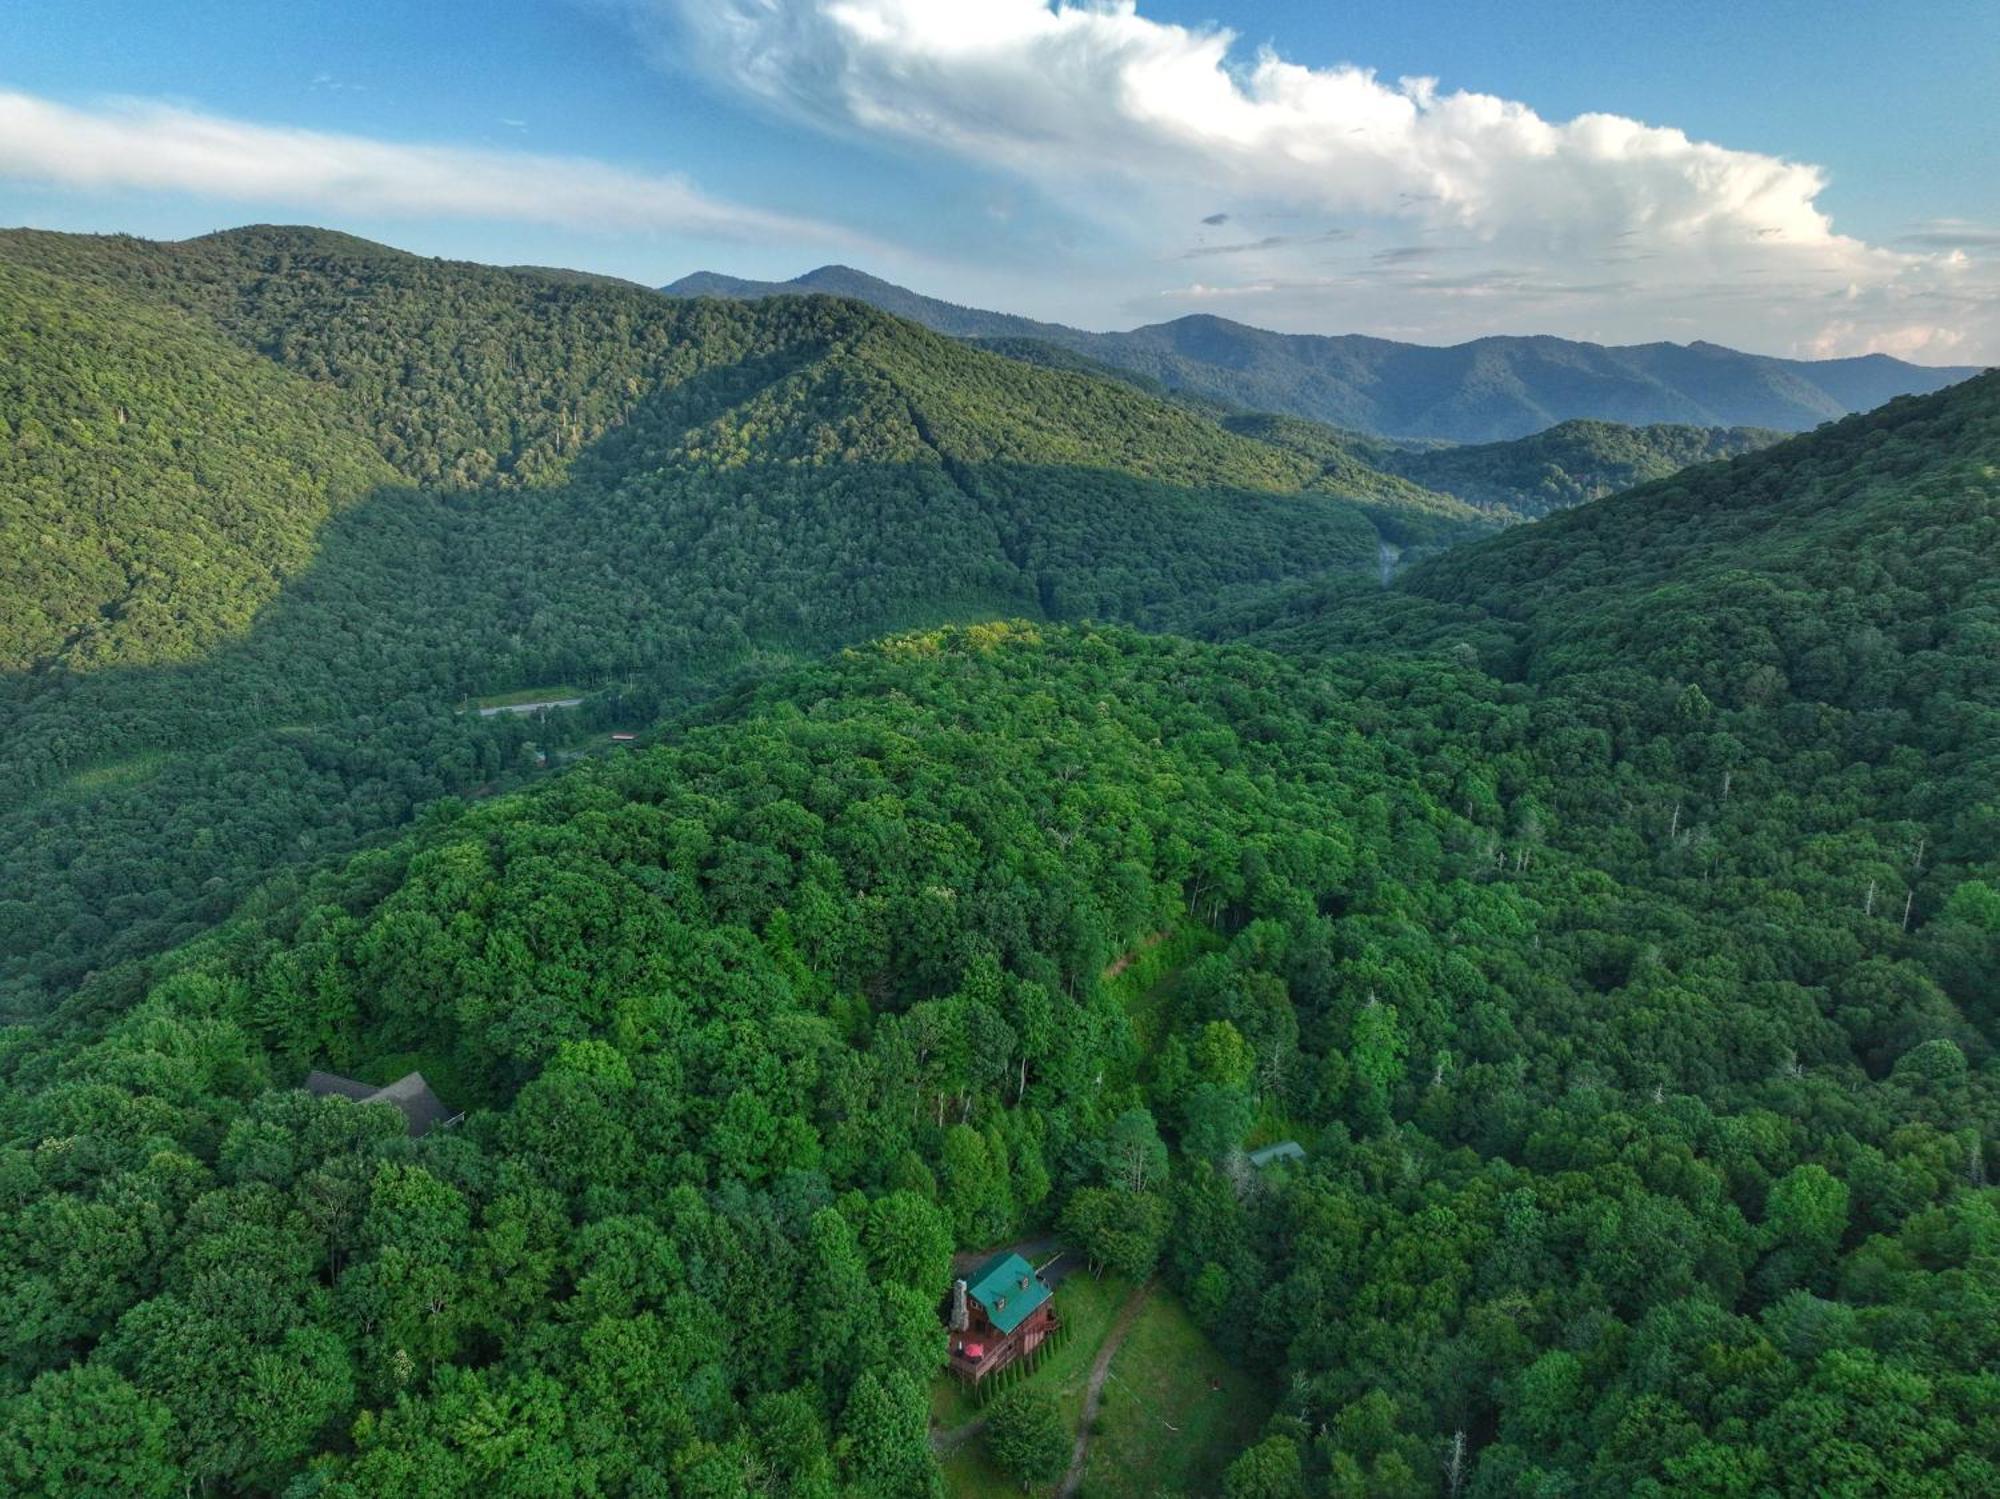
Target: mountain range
pixel 1487 390
pixel 964 800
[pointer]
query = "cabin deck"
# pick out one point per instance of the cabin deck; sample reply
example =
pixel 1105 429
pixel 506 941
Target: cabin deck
pixel 1000 1353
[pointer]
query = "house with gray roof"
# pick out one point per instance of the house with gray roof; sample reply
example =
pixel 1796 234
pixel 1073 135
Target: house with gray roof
pixel 422 1110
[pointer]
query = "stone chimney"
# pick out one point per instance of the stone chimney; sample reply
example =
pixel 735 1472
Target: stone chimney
pixel 961 1316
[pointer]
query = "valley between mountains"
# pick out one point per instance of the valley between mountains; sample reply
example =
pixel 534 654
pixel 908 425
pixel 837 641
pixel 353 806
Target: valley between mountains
pixel 827 788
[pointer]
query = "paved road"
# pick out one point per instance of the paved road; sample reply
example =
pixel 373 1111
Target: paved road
pixel 553 702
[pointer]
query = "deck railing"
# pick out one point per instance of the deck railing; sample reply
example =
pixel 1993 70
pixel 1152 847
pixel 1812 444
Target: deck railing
pixel 997 1357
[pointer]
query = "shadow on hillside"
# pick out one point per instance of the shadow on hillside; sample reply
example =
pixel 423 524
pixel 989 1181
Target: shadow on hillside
pixel 142 804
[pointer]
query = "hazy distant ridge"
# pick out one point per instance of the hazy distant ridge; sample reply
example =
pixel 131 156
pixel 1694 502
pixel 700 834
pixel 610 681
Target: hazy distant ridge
pixel 1487 390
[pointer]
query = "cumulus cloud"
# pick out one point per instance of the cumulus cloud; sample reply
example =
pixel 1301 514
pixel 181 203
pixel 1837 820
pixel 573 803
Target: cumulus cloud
pixel 1142 126
pixel 147 145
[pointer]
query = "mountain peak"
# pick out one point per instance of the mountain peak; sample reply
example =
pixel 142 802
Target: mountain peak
pixel 1490 389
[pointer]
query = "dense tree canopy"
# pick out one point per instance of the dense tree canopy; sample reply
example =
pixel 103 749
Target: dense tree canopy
pixel 1610 909
pixel 591 485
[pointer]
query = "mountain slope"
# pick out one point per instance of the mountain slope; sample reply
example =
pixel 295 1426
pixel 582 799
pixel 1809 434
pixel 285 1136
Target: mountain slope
pixel 844 281
pixel 755 1025
pixel 1633 1004
pixel 1859 551
pixel 1570 462
pixel 1488 390
pixel 157 484
pixel 577 484
pixel 1818 622
pixel 465 375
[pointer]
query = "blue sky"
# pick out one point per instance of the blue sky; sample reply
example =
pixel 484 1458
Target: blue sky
pixel 1797 178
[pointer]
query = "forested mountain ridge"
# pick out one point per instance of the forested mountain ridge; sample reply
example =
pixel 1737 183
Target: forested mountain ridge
pixel 1520 479
pixel 1610 909
pixel 1570 463
pixel 157 484
pixel 1872 545
pixel 577 483
pixel 1487 390
pixel 844 281
pixel 467 376
pixel 1844 583
pixel 758 1024
pixel 1766 697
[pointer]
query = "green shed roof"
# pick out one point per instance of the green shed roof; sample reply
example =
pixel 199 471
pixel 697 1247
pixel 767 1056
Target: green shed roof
pixel 1007 1289
pixel 1284 1150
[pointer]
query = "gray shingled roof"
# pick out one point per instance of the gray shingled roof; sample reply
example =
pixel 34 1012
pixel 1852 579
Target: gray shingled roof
pixel 422 1109
pixel 324 1084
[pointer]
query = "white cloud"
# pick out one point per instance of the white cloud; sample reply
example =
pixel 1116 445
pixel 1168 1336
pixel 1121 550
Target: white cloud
pixel 1147 128
pixel 1954 234
pixel 155 146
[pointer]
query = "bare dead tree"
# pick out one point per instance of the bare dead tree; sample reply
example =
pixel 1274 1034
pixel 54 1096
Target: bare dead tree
pixel 1455 1467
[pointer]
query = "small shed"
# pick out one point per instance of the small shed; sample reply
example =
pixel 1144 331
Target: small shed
pixel 1284 1150
pixel 422 1110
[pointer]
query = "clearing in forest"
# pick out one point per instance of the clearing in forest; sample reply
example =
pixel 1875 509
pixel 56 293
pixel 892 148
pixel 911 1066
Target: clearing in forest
pixel 525 700
pixel 1171 1412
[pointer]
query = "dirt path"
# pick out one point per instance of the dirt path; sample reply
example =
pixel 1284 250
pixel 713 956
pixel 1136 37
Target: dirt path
pixel 1093 1393
pixel 1125 960
pixel 950 1441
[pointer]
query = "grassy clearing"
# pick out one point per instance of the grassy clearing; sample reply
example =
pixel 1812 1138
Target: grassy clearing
pixel 115 775
pixel 1089 1306
pixel 1166 1375
pixel 1145 987
pixel 1174 1413
pixel 550 693
pixel 968 1474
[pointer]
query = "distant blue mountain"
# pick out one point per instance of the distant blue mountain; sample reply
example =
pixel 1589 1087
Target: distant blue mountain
pixel 1488 390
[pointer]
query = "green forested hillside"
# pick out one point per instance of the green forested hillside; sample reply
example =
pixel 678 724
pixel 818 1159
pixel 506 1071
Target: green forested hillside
pixel 1520 479
pixel 757 1025
pixel 157 485
pixel 460 373
pixel 1763 696
pixel 1610 909
pixel 591 485
pixel 1571 463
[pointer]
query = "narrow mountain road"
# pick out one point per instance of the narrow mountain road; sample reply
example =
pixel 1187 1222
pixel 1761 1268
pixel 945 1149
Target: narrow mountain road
pixel 1093 1394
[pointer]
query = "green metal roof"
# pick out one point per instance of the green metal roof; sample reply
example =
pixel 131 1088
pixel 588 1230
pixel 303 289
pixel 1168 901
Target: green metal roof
pixel 1284 1150
pixel 997 1287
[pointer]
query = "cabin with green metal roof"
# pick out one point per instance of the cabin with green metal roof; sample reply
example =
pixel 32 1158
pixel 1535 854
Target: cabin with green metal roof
pixel 1001 1312
pixel 1271 1155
